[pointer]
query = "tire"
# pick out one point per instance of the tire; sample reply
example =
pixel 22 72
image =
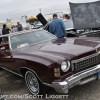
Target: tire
pixel 34 85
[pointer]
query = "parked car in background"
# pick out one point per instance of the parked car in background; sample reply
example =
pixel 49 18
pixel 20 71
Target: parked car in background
pixel 46 61
pixel 36 26
pixel 70 30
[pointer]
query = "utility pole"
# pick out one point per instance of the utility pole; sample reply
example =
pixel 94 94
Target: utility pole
pixel 40 10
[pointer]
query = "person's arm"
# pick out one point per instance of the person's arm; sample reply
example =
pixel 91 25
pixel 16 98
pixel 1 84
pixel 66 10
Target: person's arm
pixel 9 29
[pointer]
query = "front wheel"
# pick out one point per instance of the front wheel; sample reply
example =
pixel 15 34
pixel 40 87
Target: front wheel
pixel 33 84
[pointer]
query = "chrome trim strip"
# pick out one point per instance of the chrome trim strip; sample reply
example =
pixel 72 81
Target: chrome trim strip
pixel 78 76
pixel 10 43
pixel 77 79
pixel 49 85
pixel 61 87
pixel 21 32
pixel 11 71
pixel 81 72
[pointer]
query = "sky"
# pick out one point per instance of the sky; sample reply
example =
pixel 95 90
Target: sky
pixel 17 8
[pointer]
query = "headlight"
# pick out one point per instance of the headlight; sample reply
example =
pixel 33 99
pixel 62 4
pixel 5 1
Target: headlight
pixel 65 65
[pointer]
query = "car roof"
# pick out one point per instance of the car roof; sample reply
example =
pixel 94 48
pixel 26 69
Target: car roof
pixel 21 32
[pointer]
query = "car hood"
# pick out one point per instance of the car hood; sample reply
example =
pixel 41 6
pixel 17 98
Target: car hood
pixel 49 52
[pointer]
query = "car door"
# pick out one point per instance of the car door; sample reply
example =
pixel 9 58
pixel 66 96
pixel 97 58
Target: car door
pixel 7 60
pixel 5 53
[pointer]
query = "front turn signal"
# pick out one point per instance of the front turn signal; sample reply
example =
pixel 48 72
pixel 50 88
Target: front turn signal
pixel 56 72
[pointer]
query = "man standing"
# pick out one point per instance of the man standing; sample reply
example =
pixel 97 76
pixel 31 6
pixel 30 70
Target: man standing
pixel 57 27
pixel 19 27
pixel 5 30
pixel 66 17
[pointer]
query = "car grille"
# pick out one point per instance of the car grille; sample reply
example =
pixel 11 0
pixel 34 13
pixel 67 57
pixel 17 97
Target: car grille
pixel 85 62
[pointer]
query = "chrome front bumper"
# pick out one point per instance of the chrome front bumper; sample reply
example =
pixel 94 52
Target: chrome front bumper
pixel 77 79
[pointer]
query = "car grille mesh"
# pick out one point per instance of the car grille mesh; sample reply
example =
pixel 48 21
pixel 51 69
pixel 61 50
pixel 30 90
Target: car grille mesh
pixel 85 62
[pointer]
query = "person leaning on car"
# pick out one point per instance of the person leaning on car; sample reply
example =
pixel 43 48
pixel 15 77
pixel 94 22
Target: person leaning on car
pixel 57 27
pixel 19 27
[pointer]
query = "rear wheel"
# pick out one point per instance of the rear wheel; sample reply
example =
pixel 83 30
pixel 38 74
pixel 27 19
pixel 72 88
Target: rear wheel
pixel 34 85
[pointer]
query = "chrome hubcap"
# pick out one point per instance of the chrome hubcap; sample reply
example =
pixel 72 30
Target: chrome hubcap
pixel 32 82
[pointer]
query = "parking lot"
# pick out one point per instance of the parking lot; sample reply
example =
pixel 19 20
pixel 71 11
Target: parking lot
pixel 14 85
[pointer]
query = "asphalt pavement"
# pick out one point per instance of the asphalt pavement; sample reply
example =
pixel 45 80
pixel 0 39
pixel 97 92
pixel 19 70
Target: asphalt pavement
pixel 14 88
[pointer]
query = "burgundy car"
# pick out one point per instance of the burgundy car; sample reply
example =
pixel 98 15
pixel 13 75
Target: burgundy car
pixel 44 60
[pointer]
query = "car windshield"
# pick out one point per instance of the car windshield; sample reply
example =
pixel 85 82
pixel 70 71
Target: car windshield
pixel 68 24
pixel 22 40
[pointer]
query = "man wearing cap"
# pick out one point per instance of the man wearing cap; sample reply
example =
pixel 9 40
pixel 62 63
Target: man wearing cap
pixel 57 27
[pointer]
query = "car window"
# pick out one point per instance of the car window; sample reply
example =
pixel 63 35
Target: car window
pixel 68 24
pixel 21 40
